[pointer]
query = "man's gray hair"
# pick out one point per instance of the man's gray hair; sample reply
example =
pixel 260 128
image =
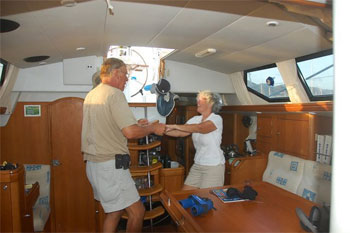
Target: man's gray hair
pixel 109 65
pixel 213 98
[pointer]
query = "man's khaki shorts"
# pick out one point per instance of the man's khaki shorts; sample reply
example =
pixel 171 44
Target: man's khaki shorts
pixel 114 188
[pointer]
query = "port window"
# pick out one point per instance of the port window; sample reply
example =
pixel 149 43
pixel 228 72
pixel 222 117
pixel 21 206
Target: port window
pixel 316 72
pixel 267 83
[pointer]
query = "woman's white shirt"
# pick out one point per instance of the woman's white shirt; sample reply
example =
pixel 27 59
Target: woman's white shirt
pixel 208 150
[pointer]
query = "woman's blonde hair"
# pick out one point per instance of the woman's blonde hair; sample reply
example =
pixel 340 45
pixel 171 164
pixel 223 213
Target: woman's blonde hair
pixel 212 98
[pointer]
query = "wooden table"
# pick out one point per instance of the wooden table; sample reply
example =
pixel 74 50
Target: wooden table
pixel 272 211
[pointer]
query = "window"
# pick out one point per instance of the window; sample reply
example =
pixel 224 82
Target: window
pixel 3 66
pixel 316 72
pixel 143 67
pixel 267 83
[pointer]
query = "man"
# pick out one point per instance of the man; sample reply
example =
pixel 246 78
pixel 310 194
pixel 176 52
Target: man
pixel 107 125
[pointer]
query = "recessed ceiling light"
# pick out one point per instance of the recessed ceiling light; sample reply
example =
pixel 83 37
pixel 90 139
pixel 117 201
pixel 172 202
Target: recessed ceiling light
pixel 36 58
pixel 8 25
pixel 272 23
pixel 80 48
pixel 68 3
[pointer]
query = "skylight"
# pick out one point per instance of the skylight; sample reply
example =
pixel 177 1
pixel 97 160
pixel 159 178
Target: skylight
pixel 143 66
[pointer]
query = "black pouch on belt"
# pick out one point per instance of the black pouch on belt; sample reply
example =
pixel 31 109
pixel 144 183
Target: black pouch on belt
pixel 122 161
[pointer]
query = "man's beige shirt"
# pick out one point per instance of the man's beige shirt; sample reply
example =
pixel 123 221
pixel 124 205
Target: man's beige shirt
pixel 106 112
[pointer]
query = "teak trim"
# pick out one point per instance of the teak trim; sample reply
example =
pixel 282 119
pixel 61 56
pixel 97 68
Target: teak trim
pixel 142 104
pixel 302 107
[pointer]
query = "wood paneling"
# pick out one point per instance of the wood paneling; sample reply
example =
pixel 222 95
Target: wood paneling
pixel 172 179
pixel 233 131
pixel 246 170
pixel 26 139
pixel 12 200
pixel 292 133
pixel 302 107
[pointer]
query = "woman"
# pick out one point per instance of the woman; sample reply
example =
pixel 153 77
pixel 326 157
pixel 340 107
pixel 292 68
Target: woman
pixel 208 169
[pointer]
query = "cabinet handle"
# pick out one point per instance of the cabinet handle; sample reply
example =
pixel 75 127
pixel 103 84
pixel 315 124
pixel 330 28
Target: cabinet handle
pixel 5 187
pixel 27 215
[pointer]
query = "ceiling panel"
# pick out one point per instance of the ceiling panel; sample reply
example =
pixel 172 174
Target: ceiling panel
pixel 137 24
pixel 237 29
pixel 191 26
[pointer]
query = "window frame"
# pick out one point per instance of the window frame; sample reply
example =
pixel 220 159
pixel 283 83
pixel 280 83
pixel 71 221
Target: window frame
pixel 273 65
pixel 302 79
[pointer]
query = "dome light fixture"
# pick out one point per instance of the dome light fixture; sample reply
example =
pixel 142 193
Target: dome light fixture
pixel 68 3
pixel 272 23
pixel 206 52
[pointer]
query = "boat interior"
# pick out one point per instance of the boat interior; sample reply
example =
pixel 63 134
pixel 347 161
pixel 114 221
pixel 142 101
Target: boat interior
pixel 271 62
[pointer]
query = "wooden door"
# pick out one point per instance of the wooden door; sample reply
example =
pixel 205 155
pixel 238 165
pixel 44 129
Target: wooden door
pixel 295 135
pixel 74 208
pixel 265 133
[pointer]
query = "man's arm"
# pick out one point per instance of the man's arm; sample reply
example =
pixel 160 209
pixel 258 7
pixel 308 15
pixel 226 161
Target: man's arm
pixel 136 131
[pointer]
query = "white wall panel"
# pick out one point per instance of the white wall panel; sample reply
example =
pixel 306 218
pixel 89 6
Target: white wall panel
pixel 185 78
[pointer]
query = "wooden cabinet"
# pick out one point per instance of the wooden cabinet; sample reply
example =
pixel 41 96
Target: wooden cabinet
pixel 290 133
pixel 246 170
pixel 172 179
pixel 12 200
pixel 16 205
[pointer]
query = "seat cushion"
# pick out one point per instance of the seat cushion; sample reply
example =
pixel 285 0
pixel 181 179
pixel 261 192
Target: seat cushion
pixel 41 210
pixel 316 183
pixel 284 171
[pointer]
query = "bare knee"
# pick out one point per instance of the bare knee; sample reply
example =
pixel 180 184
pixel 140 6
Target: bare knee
pixel 136 211
pixel 111 221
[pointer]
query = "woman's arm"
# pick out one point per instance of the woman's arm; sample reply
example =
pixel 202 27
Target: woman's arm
pixel 203 127
pixel 176 133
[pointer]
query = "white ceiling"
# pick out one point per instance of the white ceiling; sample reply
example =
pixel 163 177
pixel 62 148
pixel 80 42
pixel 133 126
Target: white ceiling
pixel 236 29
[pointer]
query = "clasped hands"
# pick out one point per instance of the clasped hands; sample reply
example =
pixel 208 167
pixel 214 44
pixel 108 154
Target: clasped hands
pixel 160 128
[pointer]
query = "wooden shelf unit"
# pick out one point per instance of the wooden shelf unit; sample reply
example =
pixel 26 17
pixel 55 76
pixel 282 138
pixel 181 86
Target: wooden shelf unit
pixel 152 193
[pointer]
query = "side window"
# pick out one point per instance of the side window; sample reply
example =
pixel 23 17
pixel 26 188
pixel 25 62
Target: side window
pixel 316 72
pixel 267 83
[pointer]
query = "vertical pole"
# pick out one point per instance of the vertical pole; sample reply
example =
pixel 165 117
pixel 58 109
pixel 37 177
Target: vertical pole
pixel 149 175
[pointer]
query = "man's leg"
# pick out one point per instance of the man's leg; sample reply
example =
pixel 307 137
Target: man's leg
pixel 111 221
pixel 136 213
